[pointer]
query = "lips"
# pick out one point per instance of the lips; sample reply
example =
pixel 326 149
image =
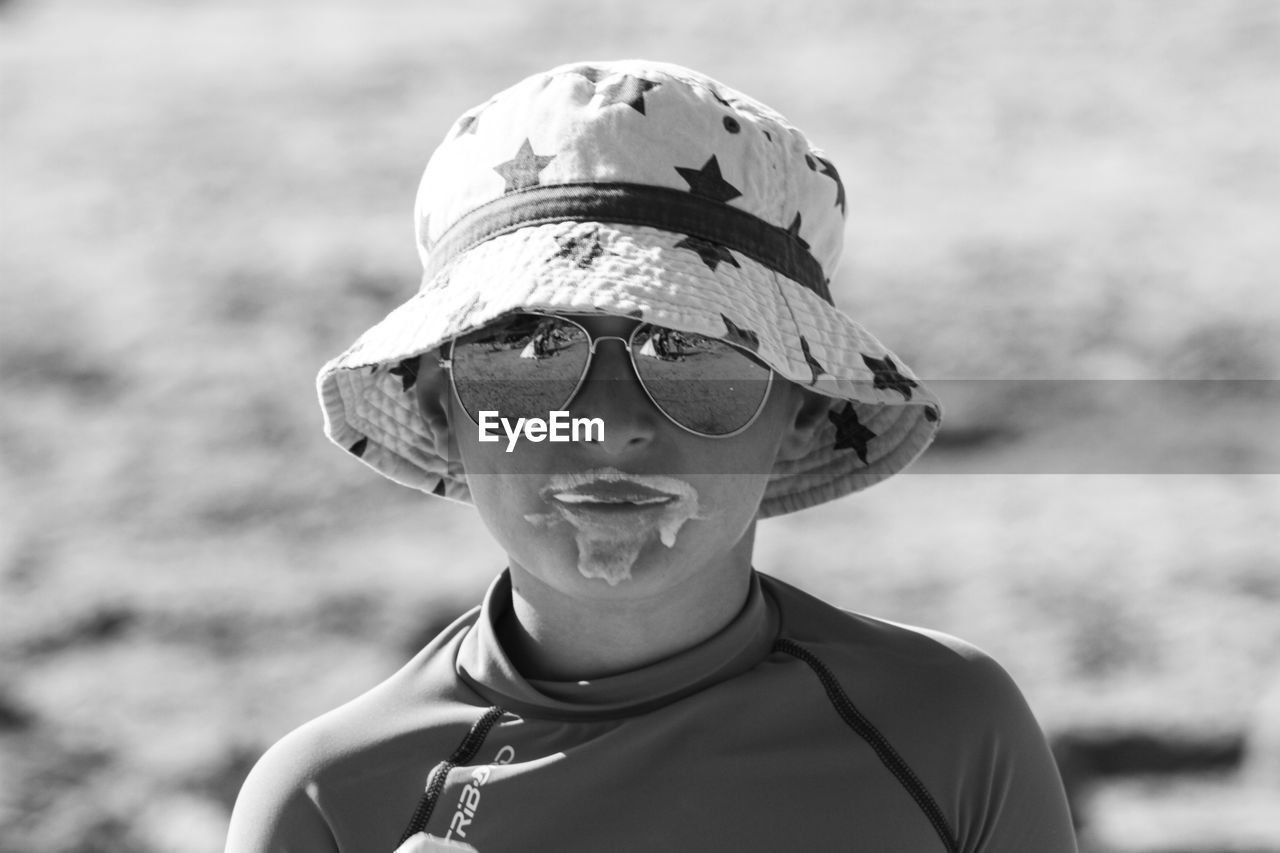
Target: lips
pixel 611 489
pixel 615 512
pixel 620 492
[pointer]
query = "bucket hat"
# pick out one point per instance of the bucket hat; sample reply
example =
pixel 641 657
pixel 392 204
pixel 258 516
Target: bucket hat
pixel 645 190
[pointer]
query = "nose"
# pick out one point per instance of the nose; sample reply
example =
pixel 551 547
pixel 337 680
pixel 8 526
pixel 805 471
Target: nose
pixel 612 393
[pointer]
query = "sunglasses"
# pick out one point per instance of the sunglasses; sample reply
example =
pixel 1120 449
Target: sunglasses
pixel 529 364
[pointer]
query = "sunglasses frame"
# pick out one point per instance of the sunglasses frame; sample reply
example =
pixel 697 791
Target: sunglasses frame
pixel 627 342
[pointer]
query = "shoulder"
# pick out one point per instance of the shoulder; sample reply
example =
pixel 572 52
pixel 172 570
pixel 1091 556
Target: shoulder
pixel 276 809
pixel 948 710
pixel 807 618
pixel 895 658
pixel 282 805
pixel 920 685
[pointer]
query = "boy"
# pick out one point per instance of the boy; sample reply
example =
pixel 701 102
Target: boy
pixel 633 246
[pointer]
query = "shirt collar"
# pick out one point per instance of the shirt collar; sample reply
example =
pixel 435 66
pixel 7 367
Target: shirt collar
pixel 740 645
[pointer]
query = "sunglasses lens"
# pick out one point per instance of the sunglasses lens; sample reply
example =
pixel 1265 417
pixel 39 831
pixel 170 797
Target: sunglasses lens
pixel 522 367
pixel 702 383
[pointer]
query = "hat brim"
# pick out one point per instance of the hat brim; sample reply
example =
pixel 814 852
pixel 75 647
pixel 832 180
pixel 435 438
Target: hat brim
pixel 659 277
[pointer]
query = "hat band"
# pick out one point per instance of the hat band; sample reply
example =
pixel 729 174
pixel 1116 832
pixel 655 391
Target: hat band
pixel 678 211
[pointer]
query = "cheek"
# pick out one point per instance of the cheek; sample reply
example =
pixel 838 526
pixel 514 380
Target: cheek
pixel 727 505
pixel 737 473
pixel 503 502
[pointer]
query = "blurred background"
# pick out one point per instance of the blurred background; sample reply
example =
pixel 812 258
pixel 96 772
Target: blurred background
pixel 203 201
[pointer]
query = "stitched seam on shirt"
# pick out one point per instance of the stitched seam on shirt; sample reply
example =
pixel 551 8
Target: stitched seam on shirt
pixel 466 751
pixel 884 750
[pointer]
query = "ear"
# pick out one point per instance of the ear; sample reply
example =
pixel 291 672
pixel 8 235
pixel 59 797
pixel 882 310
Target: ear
pixel 808 414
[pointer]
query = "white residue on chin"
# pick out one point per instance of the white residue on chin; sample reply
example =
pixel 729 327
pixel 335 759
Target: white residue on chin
pixel 609 545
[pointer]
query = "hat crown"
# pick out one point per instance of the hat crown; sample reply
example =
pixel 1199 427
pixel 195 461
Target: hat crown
pixel 634 122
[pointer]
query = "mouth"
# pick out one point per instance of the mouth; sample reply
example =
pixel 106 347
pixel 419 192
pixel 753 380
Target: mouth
pixel 608 505
pixel 617 496
pixel 612 491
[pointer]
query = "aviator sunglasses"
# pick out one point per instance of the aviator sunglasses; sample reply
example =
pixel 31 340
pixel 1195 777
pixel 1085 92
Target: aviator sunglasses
pixel 530 364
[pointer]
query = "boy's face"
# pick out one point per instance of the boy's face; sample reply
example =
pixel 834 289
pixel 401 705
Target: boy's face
pixel 633 515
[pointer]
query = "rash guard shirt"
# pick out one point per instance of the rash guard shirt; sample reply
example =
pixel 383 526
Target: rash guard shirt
pixel 799 726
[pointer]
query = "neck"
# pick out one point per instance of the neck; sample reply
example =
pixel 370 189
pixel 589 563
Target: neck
pixel 554 636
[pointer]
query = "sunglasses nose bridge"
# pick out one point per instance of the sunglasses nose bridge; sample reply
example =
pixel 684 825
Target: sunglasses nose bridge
pixel 595 341
pixel 611 390
pixel 616 369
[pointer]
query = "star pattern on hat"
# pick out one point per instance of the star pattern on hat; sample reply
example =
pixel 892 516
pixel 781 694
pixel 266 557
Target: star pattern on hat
pixel 793 231
pixel 626 89
pixel 359 447
pixel 582 248
pixel 887 375
pixel 707 181
pixel 407 370
pixel 438 491
pixel 467 124
pixel 829 169
pixel 711 253
pixel 735 334
pixel 814 364
pixel 850 432
pixel 522 171
pixel 931 414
